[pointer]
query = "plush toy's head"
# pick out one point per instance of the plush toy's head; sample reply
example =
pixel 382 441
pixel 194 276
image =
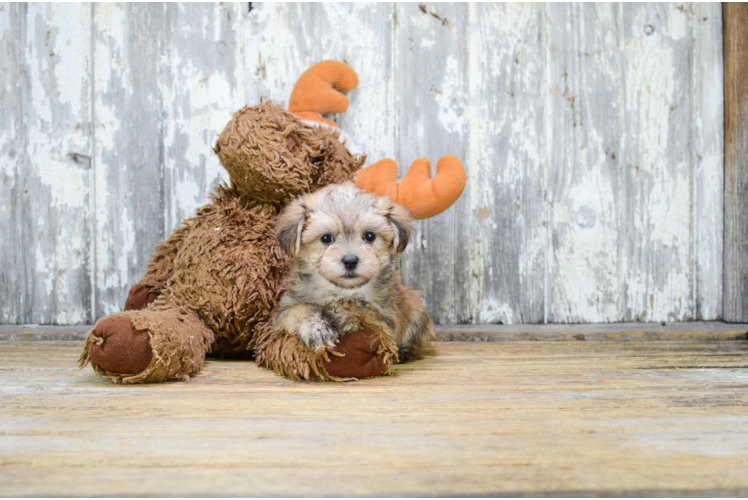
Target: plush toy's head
pixel 273 155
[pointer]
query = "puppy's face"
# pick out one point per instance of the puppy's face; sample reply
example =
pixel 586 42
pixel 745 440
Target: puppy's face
pixel 345 233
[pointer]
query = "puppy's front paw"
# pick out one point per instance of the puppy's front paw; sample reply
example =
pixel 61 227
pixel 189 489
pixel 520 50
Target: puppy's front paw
pixel 317 334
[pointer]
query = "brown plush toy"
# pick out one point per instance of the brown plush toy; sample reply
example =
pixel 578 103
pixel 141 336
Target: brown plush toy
pixel 212 286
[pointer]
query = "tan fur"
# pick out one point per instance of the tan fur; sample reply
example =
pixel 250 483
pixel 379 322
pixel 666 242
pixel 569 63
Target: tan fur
pixel 319 282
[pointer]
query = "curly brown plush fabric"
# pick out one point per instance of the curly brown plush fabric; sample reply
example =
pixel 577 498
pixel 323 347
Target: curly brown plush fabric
pixel 219 275
pixel 364 352
pixel 212 286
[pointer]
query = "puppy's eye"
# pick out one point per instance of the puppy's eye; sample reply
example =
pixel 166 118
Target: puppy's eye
pixel 327 239
pixel 369 236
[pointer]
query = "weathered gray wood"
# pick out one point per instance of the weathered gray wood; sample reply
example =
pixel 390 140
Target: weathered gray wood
pixel 546 230
pixel 54 169
pixel 26 333
pixel 693 331
pixel 431 120
pixel 588 419
pixel 12 252
pixel 201 90
pixel 736 162
pixel 283 40
pixel 502 224
pixel 656 162
pixel 584 136
pixel 129 156
pixel 707 158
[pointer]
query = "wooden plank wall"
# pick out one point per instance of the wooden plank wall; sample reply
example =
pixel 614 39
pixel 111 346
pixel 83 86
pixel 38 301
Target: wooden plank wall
pixel 736 162
pixel 592 135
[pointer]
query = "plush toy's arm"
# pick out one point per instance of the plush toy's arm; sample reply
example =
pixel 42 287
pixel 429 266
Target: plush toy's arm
pixel 161 265
pixel 159 270
pixel 417 191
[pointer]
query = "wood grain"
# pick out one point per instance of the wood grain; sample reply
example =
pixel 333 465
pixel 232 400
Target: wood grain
pixel 283 40
pixel 592 136
pixel 129 156
pixel 502 224
pixel 12 145
pixel 584 132
pixel 201 72
pixel 736 162
pixel 692 331
pixel 54 164
pixel 431 120
pixel 522 418
pixel 657 170
pixel 707 156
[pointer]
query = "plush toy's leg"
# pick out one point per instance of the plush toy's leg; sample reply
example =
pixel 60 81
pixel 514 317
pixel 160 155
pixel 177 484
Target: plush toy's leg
pixel 147 345
pixel 365 351
pixel 140 297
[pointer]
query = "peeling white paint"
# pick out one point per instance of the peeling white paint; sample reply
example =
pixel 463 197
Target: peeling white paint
pixel 427 43
pixel 451 104
pixel 505 172
pixel 200 99
pixel 709 155
pixel 56 169
pixel 658 277
pixel 494 312
pixel 536 104
pixel 113 227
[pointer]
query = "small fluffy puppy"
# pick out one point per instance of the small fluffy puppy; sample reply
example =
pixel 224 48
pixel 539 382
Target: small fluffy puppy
pixel 346 246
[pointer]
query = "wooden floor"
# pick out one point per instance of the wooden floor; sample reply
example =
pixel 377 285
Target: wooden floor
pixel 481 418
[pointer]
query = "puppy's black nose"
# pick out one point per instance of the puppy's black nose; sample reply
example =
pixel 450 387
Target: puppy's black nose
pixel 350 262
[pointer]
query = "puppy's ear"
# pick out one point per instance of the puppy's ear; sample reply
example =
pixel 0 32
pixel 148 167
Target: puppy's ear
pixel 289 226
pixel 400 220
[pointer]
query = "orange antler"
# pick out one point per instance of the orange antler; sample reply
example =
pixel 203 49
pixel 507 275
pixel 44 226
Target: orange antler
pixel 417 191
pixel 316 91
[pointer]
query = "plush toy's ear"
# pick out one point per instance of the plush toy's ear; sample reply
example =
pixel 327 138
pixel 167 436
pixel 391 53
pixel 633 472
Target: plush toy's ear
pixel 316 91
pixel 417 191
pixel 290 225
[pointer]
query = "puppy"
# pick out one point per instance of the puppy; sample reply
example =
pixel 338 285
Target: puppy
pixel 346 245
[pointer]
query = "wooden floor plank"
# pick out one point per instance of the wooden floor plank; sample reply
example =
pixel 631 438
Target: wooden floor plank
pixel 521 418
pixel 694 330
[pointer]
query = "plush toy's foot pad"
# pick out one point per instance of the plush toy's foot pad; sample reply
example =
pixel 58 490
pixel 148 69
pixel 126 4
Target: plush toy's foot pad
pixel 121 348
pixel 139 298
pixel 361 359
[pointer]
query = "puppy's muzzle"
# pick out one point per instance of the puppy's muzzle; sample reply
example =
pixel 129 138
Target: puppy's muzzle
pixel 350 262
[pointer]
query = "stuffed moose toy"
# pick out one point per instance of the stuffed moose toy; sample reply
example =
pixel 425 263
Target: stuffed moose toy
pixel 212 287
